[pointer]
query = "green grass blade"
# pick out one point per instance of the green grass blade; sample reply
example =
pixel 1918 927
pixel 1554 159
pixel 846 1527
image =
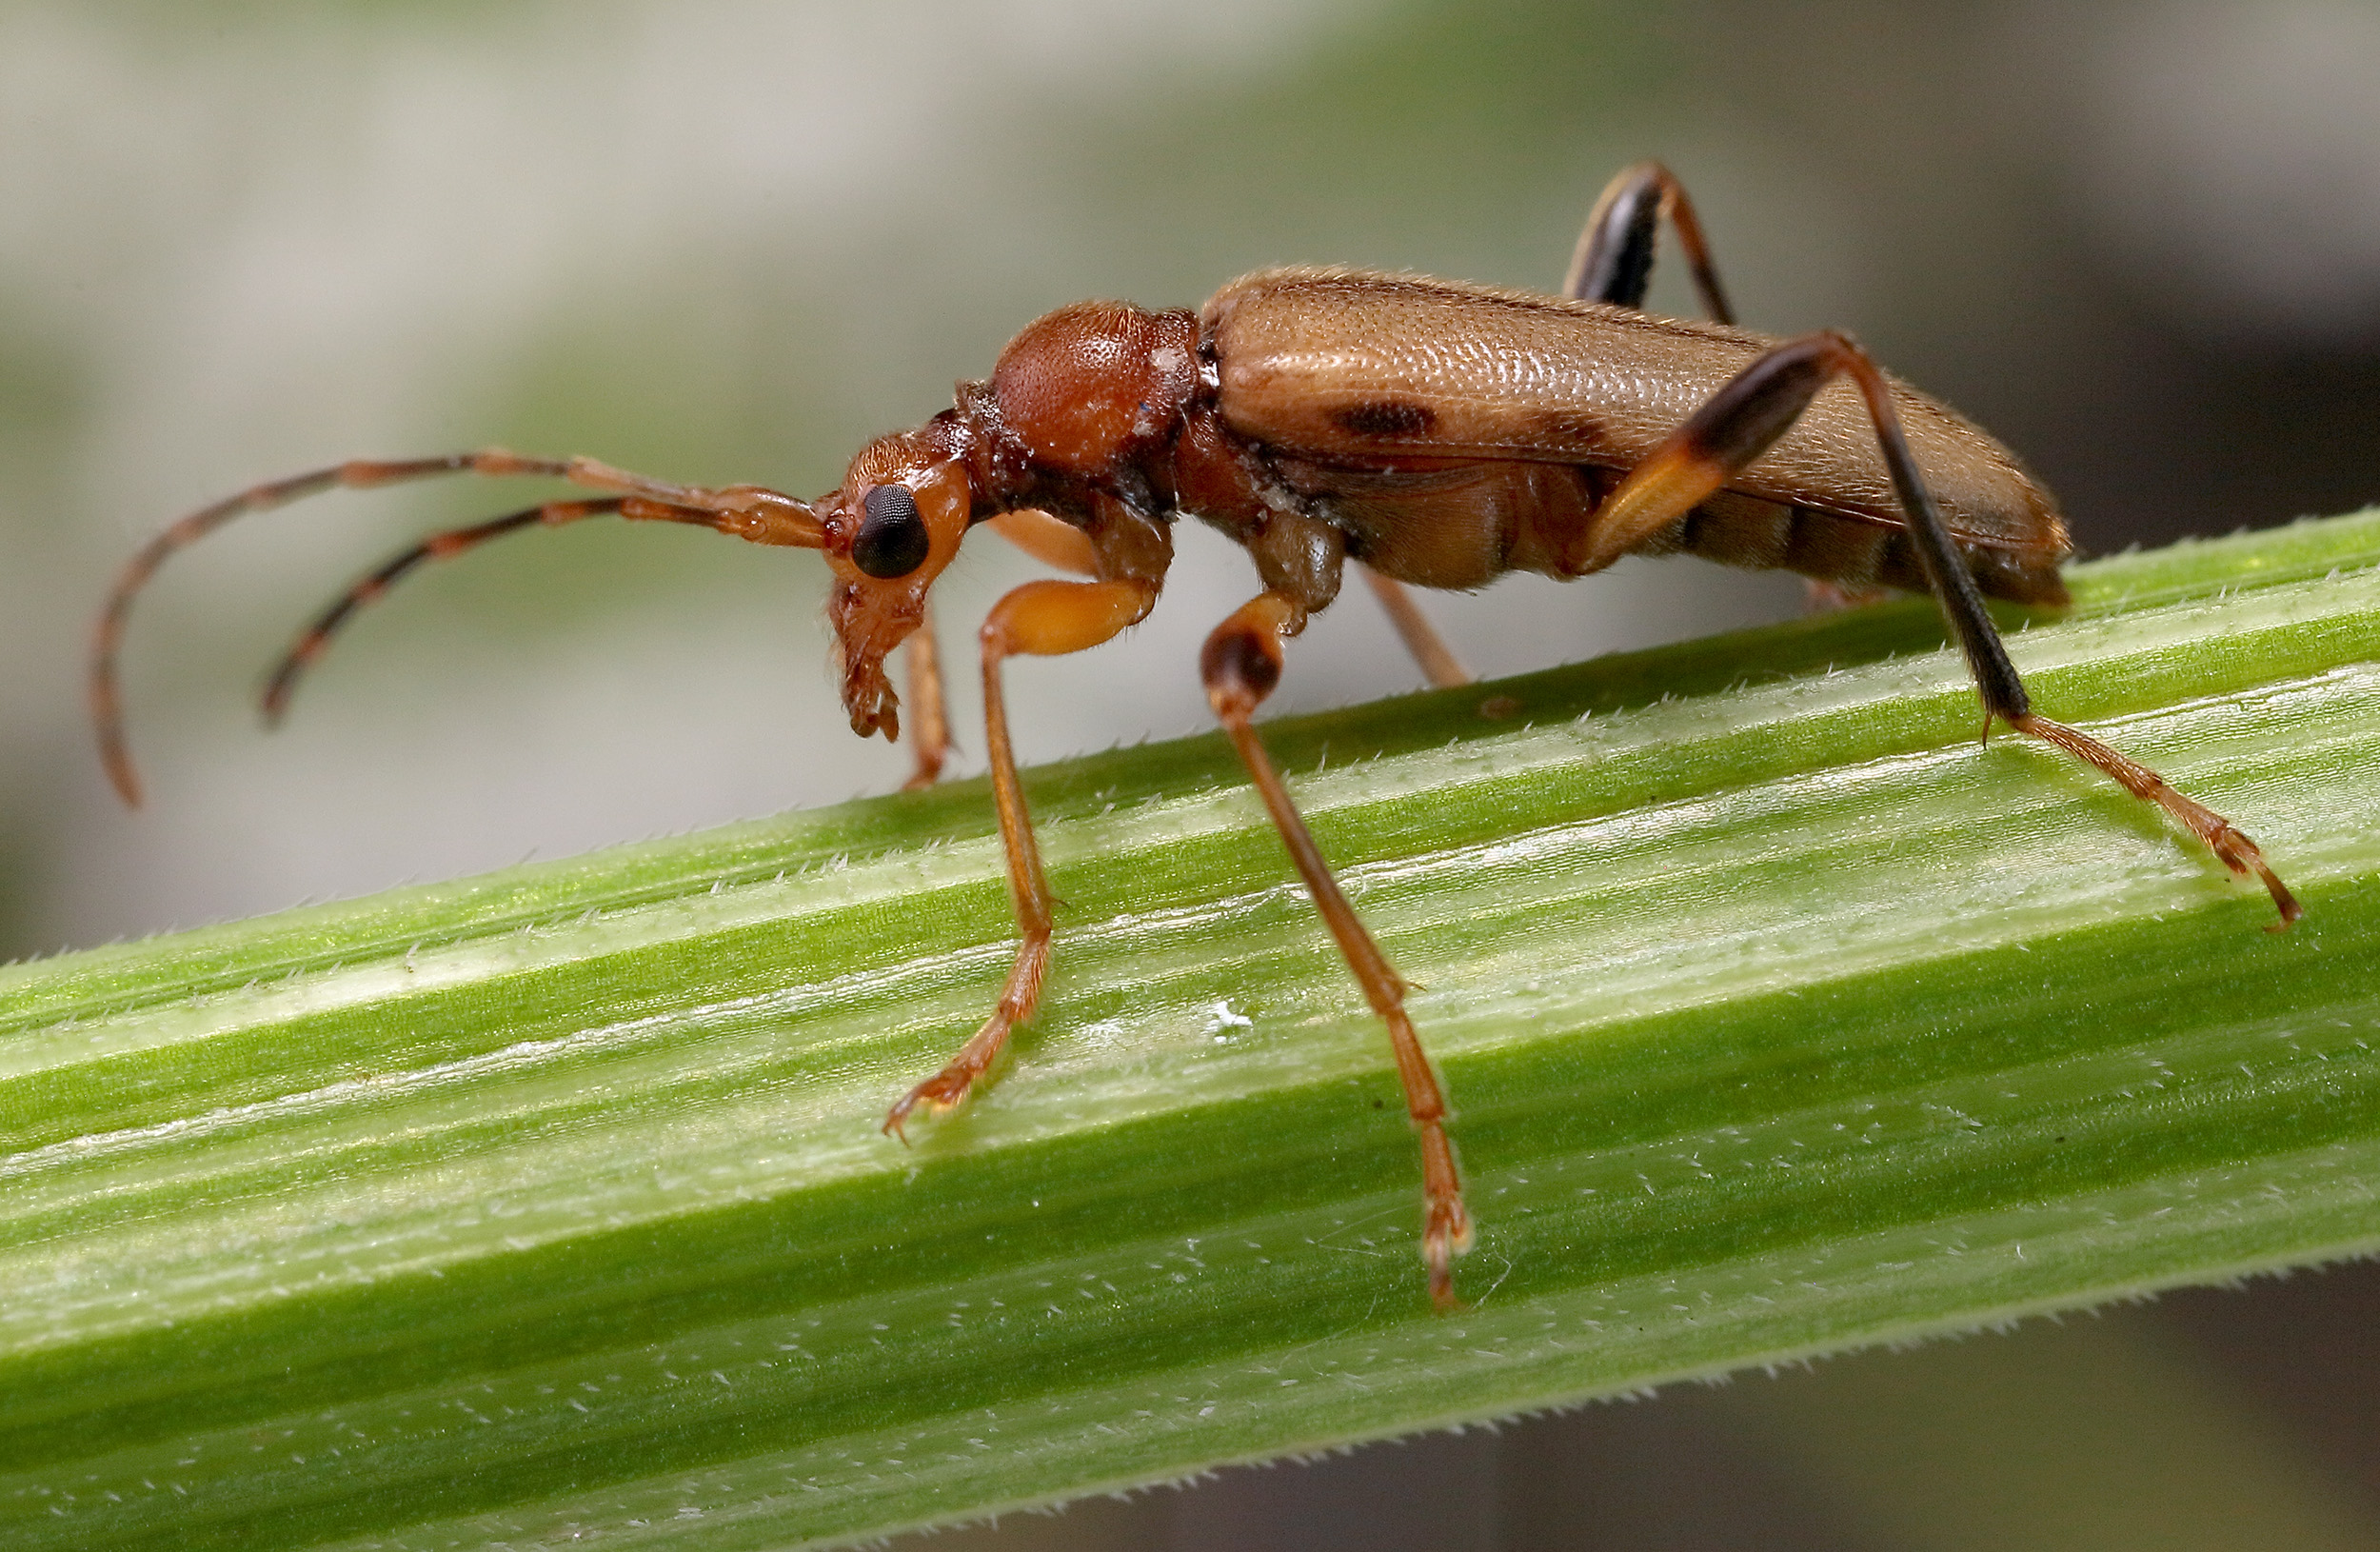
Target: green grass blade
pixel 1779 1016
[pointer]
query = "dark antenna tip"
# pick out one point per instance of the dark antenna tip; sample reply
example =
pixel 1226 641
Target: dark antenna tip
pixel 120 773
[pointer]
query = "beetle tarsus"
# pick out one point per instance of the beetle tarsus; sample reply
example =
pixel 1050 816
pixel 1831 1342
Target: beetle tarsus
pixel 2230 843
pixel 941 1094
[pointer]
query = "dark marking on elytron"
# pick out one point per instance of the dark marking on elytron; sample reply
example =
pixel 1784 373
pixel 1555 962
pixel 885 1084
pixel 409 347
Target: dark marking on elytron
pixel 1386 418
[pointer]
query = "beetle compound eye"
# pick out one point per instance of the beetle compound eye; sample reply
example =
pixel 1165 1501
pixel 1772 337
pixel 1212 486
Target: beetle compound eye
pixel 892 539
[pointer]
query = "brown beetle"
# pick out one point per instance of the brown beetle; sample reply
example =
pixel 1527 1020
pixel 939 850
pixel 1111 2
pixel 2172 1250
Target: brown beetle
pixel 1441 434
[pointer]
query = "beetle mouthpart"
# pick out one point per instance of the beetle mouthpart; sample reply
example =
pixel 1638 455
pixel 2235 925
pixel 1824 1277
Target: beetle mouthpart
pixel 868 696
pixel 870 621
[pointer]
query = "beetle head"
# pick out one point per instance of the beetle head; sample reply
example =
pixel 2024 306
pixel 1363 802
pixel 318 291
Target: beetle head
pixel 889 530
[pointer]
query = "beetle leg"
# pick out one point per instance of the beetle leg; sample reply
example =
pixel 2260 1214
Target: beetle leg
pixel 1052 540
pixel 1614 259
pixel 1439 663
pixel 1614 262
pixel 1740 422
pixel 929 726
pixel 1042 619
pixel 1049 540
pixel 1240 665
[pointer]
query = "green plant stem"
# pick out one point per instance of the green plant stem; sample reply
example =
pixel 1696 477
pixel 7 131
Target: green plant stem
pixel 1779 1016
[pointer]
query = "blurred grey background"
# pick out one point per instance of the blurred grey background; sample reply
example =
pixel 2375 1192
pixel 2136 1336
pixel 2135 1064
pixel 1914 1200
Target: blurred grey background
pixel 723 240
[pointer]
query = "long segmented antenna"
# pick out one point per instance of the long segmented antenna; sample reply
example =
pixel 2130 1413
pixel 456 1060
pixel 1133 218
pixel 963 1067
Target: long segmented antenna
pixel 312 642
pixel 778 520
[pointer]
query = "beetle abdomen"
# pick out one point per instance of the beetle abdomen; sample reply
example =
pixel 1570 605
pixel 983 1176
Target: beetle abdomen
pixel 1765 535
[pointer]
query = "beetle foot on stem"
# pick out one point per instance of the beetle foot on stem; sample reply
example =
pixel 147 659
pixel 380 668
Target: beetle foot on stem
pixel 948 1089
pixel 1446 1235
pixel 2229 844
pixel 944 1092
pixel 1446 1223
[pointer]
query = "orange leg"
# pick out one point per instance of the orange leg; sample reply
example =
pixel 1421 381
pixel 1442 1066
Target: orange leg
pixel 1041 619
pixel 2233 848
pixel 1439 663
pixel 929 726
pixel 1052 540
pixel 1049 540
pixel 1240 665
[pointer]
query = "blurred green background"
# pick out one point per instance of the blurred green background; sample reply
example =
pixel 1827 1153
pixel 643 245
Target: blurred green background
pixel 724 241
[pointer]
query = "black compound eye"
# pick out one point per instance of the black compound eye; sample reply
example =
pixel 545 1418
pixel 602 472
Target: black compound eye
pixel 892 539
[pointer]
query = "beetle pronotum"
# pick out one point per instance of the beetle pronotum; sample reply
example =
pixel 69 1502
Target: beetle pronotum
pixel 1441 434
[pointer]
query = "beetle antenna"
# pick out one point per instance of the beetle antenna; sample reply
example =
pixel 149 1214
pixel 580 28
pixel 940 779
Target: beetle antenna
pixel 315 639
pixel 106 703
